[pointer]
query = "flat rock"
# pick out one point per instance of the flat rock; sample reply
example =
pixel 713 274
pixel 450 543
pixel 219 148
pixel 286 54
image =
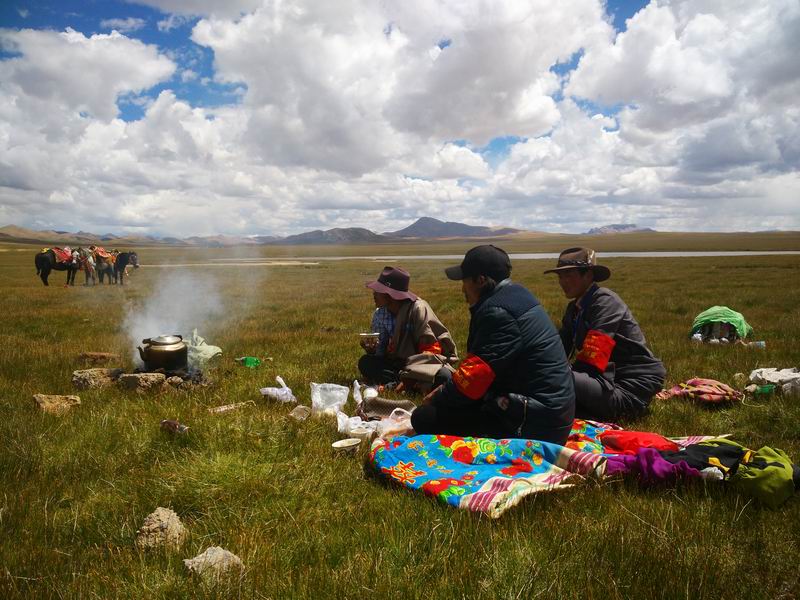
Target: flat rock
pixel 175 381
pixel 162 527
pixel 142 381
pixel 215 563
pixel 54 404
pixel 87 379
pixel 99 358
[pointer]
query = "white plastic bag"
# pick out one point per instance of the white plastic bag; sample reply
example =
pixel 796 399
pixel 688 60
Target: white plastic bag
pixel 397 423
pixel 281 394
pixel 346 425
pixel 328 398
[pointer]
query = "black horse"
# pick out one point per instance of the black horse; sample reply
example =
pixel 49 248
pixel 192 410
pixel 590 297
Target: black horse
pixel 46 262
pixel 115 268
pixel 123 260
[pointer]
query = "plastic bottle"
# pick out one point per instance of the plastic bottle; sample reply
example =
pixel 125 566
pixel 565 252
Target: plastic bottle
pixel 758 344
pixel 248 361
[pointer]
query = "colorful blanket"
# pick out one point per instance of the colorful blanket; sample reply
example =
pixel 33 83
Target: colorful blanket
pixel 63 255
pixel 491 476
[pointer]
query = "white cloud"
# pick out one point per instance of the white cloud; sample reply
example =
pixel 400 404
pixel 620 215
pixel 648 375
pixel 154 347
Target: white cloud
pixel 123 25
pixel 358 113
pixel 70 71
pixel 172 21
pixel 229 9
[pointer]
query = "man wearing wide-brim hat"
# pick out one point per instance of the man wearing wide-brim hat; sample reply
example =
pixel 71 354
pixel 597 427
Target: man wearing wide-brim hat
pixel 414 345
pixel 515 381
pixel 616 374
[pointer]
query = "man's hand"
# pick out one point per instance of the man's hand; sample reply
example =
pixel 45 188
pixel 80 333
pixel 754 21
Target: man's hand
pixel 429 398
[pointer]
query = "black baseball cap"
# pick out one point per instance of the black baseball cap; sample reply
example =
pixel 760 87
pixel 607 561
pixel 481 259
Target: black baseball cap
pixel 482 260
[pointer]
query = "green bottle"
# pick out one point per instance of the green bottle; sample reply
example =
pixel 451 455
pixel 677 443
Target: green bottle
pixel 249 361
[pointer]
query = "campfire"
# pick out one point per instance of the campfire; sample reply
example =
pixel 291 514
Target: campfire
pixel 166 362
pixel 168 355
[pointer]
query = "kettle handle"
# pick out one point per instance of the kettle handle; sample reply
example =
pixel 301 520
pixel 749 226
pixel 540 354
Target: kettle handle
pixel 146 341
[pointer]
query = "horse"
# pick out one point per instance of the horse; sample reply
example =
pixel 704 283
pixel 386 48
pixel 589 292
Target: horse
pixel 46 261
pixel 114 266
pixel 121 264
pixel 86 260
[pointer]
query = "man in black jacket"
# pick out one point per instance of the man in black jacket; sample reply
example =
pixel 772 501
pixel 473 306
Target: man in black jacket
pixel 616 374
pixel 515 381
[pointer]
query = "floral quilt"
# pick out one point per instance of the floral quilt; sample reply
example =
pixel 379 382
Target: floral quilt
pixel 490 476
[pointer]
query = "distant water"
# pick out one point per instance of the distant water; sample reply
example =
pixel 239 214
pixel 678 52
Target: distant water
pixel 525 256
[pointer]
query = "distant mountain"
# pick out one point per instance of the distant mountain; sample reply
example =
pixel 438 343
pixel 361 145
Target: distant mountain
pixel 216 241
pixel 619 228
pixel 425 228
pixel 348 235
pixel 428 227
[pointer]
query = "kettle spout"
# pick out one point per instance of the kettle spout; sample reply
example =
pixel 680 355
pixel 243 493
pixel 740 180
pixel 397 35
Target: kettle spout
pixel 141 352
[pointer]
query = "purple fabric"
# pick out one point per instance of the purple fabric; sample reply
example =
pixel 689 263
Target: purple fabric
pixel 650 467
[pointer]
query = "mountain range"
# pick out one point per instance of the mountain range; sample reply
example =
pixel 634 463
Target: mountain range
pixel 423 228
pixel 619 228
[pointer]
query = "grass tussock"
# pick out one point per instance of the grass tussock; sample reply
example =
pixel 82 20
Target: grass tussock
pixel 307 523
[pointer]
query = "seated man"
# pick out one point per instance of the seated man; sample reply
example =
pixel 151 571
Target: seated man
pixel 615 372
pixel 414 344
pixel 515 381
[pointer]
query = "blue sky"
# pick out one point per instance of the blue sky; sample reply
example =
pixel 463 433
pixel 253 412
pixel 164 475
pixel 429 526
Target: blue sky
pixel 245 119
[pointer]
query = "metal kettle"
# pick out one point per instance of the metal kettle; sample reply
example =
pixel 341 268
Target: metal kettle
pixel 168 352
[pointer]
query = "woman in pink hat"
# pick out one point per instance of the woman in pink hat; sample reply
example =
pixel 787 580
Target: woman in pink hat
pixel 414 344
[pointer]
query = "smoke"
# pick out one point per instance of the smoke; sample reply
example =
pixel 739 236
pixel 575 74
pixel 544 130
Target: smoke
pixel 181 301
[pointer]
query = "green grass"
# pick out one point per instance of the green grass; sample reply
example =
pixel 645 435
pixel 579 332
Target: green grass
pixel 75 488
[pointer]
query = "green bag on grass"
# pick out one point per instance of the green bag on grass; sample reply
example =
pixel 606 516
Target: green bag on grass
pixel 767 474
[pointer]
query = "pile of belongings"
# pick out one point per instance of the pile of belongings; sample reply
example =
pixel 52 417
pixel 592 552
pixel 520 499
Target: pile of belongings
pixel 719 325
pixel 490 476
pixel 788 380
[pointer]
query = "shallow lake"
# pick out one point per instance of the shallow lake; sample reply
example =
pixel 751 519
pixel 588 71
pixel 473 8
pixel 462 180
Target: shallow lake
pixel 519 256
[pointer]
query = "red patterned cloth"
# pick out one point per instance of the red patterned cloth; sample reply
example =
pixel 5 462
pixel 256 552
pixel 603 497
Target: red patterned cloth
pixel 63 255
pixel 629 442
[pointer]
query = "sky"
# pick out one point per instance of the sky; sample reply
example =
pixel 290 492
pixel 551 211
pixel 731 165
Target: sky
pixel 274 117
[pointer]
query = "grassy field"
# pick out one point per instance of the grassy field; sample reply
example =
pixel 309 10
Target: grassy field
pixel 75 488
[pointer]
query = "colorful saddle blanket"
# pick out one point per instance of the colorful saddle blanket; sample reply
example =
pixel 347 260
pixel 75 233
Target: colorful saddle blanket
pixel 63 255
pixel 102 252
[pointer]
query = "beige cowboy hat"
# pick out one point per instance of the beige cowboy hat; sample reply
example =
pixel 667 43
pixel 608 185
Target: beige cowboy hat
pixel 577 258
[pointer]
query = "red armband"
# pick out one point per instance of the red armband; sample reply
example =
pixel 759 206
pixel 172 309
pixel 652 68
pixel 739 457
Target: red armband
pixel 596 349
pixel 473 377
pixel 434 348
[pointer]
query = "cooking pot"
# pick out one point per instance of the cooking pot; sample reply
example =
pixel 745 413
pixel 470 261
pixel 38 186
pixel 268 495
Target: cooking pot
pixel 168 352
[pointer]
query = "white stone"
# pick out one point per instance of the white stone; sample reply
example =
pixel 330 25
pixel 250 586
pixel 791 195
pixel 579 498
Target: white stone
pixel 215 563
pixel 162 527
